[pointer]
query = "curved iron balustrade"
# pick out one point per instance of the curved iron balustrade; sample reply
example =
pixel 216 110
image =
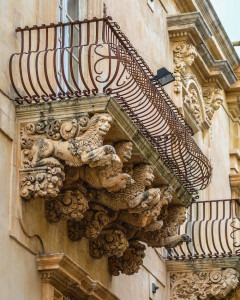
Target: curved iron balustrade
pixel 82 58
pixel 214 227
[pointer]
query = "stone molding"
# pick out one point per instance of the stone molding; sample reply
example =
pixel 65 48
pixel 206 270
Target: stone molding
pixel 218 31
pixel 59 274
pixel 192 28
pixel 90 183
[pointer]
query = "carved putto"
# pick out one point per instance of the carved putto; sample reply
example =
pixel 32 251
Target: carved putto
pixel 184 56
pixel 96 188
pixel 215 285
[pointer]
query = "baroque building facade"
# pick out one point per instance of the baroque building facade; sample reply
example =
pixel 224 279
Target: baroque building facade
pixel 112 186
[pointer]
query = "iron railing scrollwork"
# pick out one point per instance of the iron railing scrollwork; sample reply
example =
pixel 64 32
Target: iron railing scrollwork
pixel 83 58
pixel 214 227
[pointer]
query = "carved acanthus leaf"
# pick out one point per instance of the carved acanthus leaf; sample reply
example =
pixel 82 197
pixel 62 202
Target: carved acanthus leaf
pixel 130 262
pixel 191 101
pixel 44 182
pixel 213 99
pixel 70 205
pixel 111 242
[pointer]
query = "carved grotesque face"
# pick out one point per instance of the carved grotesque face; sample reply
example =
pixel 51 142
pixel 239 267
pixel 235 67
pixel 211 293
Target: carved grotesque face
pixel 217 102
pixel 189 59
pixel 231 280
pixel 149 176
pixel 103 124
pixel 182 215
pixel 124 151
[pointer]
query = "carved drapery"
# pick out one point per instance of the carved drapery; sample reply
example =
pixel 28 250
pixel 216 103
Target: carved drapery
pixel 199 102
pixel 82 180
pixel 204 285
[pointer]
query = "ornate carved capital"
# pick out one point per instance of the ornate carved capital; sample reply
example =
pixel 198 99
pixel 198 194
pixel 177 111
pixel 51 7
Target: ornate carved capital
pixel 219 284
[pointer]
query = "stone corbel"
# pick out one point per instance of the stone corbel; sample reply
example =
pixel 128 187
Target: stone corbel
pixel 82 180
pixel 208 285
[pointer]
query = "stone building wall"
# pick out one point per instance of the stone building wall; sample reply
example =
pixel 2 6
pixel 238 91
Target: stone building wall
pixel 146 27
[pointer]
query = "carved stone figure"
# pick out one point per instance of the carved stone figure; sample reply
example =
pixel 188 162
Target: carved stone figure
pixel 146 213
pixel 206 285
pixel 184 56
pixel 130 262
pixel 213 99
pixel 71 205
pixel 85 149
pixel 167 235
pixel 43 182
pixel 111 242
pixel 109 176
pixel 133 194
pixel 192 103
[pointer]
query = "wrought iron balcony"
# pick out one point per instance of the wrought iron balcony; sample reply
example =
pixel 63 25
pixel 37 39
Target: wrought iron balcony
pixel 214 227
pixel 82 58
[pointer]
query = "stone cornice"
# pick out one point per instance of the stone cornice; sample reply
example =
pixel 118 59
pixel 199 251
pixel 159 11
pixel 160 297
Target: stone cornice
pixel 186 6
pixel 221 68
pixel 190 22
pixel 193 26
pixel 203 264
pixel 218 31
pixel 65 275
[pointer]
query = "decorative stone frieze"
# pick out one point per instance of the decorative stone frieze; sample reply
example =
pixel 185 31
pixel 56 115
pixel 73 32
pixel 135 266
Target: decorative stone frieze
pixel 208 285
pixel 103 196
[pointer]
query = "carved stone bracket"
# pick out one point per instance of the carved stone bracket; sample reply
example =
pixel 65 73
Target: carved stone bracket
pixel 199 103
pixel 90 184
pixel 209 285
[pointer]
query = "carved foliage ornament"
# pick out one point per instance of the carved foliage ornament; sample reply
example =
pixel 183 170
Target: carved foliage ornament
pixel 213 99
pixel 82 180
pixel 184 56
pixel 214 285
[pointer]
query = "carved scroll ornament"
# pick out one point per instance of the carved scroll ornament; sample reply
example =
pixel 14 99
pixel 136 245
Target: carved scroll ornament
pixel 214 285
pixel 192 103
pixel 213 99
pixel 85 182
pixel 184 56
